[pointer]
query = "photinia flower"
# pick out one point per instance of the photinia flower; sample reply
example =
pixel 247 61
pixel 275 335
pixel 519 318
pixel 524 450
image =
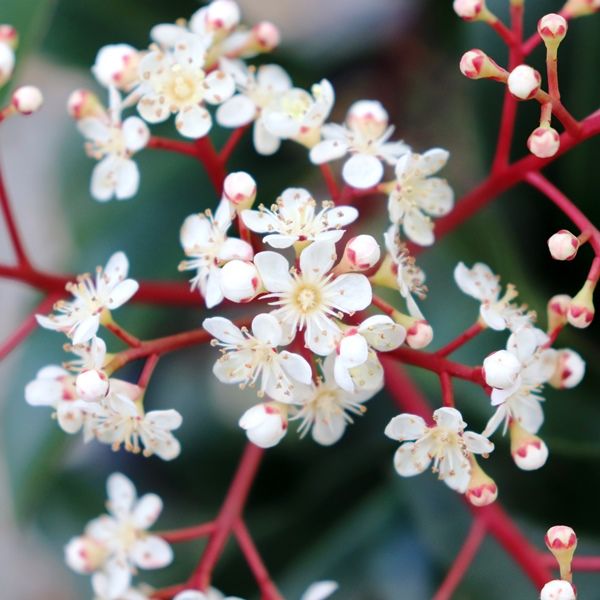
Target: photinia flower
pixel 174 81
pixel 115 544
pixel 317 591
pixel 415 194
pixel 496 312
pixel 308 299
pixel 293 219
pixel 365 136
pixel 113 142
pixel 265 424
pixel 80 318
pixel 205 241
pixel 446 443
pixel 91 383
pixel 250 356
pixel 326 408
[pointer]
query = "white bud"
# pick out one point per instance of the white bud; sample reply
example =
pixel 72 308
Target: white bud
pixel 419 335
pixel 570 369
pixel 368 117
pixel 265 424
pixel 561 537
pixel 558 589
pixel 563 245
pixel 543 142
pixel 581 308
pixel 7 62
pixel 524 82
pixel 240 189
pixel 222 15
pixel 552 28
pixel 117 65
pixel 528 451
pixel 27 99
pixel 240 281
pixel 84 555
pixel 9 36
pixel 558 307
pixel 580 8
pixel 476 64
pixel 468 10
pixel 84 103
pixel 501 369
pixel 362 253
pixel 92 385
pixel 266 36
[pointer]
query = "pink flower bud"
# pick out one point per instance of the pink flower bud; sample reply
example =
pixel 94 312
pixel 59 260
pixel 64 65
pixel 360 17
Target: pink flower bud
pixel 266 35
pixel 560 537
pixel 7 62
pixel 240 189
pixel 552 28
pixel 9 36
pixel 92 385
pixel 240 281
pixel 362 253
pixel 476 64
pixel 117 65
pixel 528 451
pixel 581 309
pixel 419 334
pixel 563 245
pixel 222 15
pixel 368 117
pixel 84 103
pixel 27 99
pixel 569 371
pixel 524 82
pixel 543 142
pixel 265 424
pixel 482 488
pixel 558 589
pixel 501 369
pixel 85 555
pixel 580 8
pixel 558 307
pixel 469 10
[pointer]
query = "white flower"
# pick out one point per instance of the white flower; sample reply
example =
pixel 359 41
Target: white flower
pixel 410 278
pixel 119 541
pixel 113 142
pixel 524 82
pixel 356 366
pixel 117 65
pixel 316 591
pixel 447 444
pixel 415 194
pixel 91 383
pixel 497 312
pixel 239 281
pixel 257 90
pixel 325 408
pixel 293 219
pixel 204 239
pixel 299 115
pixel 265 424
pixel 174 81
pixel 120 420
pixel 308 299
pixel 102 590
pixel 27 99
pixel 250 356
pixel 365 136
pixel 80 318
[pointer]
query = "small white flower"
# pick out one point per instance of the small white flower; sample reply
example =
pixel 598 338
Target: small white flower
pixel 205 241
pixel 117 65
pixel 415 194
pixel 119 541
pixel 240 189
pixel 447 444
pixel 239 280
pixel 325 408
pixel 27 99
pixel 299 115
pixel 524 82
pixel 361 253
pixel 257 90
pixel 497 312
pixel 265 424
pixel 91 383
pixel 250 356
pixel 365 136
pixel 174 81
pixel 294 219
pixel 308 299
pixel 80 318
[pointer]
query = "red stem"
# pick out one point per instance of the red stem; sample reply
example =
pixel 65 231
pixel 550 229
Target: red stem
pixel 11 225
pixel 230 512
pixel 461 340
pixel 535 40
pixel 447 393
pixel 230 145
pixel 382 305
pixel 148 369
pixel 186 534
pixel 169 592
pixel 178 146
pixel 215 167
pixel 462 561
pixel 122 334
pixel 580 563
pixel 330 182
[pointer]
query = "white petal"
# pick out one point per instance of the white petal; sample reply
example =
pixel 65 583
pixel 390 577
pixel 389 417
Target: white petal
pixel 342 375
pixel 478 282
pixel 382 333
pixel 493 317
pixel 350 292
pixel 449 418
pixel 127 179
pixel 418 228
pixel 281 124
pixel 280 241
pixel 296 367
pixel 191 595
pixel 266 329
pixel 152 552
pixel 362 171
pixel 260 221
pixel 235 248
pixel 320 590
pixel 528 413
pixel 70 417
pixel 406 427
pixel 122 293
pixel 167 420
pixel 113 580
pixel 434 196
pixel 321 335
pixel 432 161
pixel 327 150
pixel 368 377
pixel 146 511
pixel 86 330
pixel 233 367
pixel 410 460
pixel 193 122
pixel 328 432
pixel 264 141
pixel 151 109
pixel 317 260
pixel 236 112
pixel 213 292
pixel 194 233
pixel 353 350
pixel 477 444
pixel 43 392
pixel 166 34
pixel 220 87
pixel 455 470
pixel 121 495
pixel 135 134
pixel 274 271
pixel 223 329
pixel 94 129
pixel 274 78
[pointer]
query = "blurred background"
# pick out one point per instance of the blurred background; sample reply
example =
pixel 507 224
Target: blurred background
pixel 340 512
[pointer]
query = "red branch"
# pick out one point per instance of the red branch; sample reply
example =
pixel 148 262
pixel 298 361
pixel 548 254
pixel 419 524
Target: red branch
pixel 330 182
pixel 580 563
pixel 178 146
pixel 231 144
pixel 187 534
pixel 461 340
pixel 11 225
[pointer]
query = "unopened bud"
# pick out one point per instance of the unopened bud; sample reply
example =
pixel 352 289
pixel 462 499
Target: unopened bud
pixel 569 371
pixel 501 369
pixel 240 189
pixel 92 385
pixel 361 253
pixel 562 542
pixel 552 29
pixel 476 64
pixel 84 555
pixel 368 117
pixel 240 281
pixel 84 103
pixel 580 8
pixel 524 82
pixel 469 10
pixel 265 424
pixel 266 36
pixel 563 245
pixel 581 309
pixel 558 589
pixel 419 332
pixel 482 488
pixel 222 15
pixel 543 142
pixel 528 451
pixel 7 62
pixel 27 99
pixel 558 307
pixel 117 65
pixel 9 36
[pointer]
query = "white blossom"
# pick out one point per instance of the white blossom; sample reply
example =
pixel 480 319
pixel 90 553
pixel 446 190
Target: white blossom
pixel 365 137
pixel 80 318
pixel 446 443
pixel 265 424
pixel 415 194
pixel 293 219
pixel 92 383
pixel 309 298
pixel 27 99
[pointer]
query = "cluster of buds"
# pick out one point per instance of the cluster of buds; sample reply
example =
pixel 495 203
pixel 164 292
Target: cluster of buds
pixel 561 541
pixel 578 311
